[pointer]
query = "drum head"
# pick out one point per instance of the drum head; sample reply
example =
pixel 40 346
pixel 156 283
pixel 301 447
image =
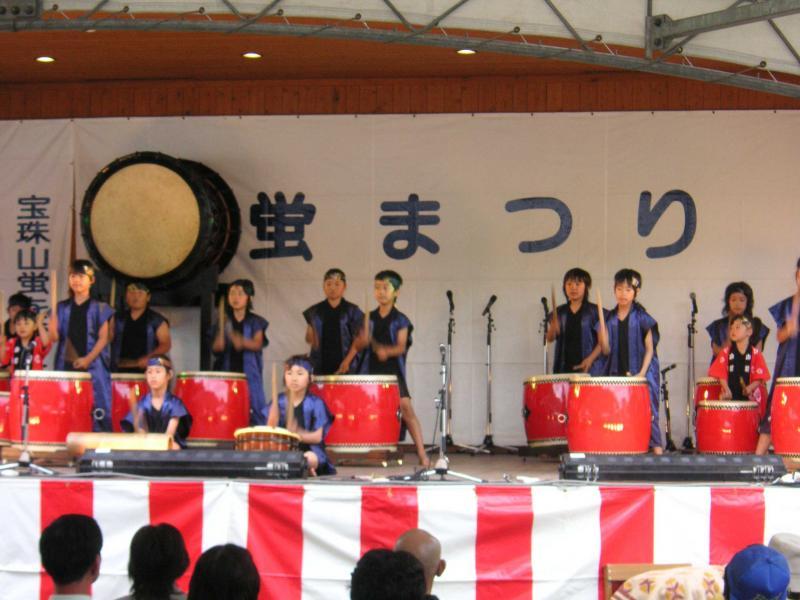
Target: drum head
pixel 145 220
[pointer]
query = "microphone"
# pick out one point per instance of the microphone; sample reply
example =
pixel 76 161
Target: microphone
pixel 669 368
pixel 694 302
pixel 492 300
pixel 450 300
pixel 544 303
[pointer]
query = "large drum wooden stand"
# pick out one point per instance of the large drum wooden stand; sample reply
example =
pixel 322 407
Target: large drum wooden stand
pixel 786 416
pixel 121 386
pixel 729 427
pixel 366 411
pixel 544 409
pixel 60 402
pixel 219 404
pixel 609 415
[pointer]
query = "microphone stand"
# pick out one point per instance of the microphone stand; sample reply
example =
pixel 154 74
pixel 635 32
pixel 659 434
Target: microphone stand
pixel 543 330
pixel 665 395
pixel 688 444
pixel 448 382
pixel 488 444
pixel 24 464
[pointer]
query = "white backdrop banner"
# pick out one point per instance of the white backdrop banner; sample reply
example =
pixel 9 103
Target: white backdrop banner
pixel 480 205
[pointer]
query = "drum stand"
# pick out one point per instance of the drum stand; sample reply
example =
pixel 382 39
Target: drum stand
pixel 440 467
pixel 488 444
pixel 688 445
pixel 24 464
pixel 665 395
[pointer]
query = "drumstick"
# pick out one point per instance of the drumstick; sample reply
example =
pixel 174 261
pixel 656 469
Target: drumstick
pixel 53 291
pixel 2 312
pixel 553 299
pixel 113 293
pixel 366 317
pixel 274 382
pixel 221 316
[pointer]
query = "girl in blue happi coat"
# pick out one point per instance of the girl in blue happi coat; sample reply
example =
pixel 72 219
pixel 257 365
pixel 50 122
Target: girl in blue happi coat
pixel 239 343
pixel 628 341
pixel 304 414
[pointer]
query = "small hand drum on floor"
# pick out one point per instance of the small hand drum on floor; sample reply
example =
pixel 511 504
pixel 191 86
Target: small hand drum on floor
pixel 263 437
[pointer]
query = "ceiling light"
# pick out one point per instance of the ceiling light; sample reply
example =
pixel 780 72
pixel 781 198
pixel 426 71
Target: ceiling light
pixel 466 51
pixel 251 55
pixel 45 59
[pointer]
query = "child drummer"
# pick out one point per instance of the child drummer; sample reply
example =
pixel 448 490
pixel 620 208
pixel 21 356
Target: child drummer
pixel 304 414
pixel 629 341
pixel 160 411
pixel 333 327
pixel 80 325
pixel 29 346
pixel 573 326
pixel 139 332
pixel 740 367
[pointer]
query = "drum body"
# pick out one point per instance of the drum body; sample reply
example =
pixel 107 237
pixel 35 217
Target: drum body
pixel 121 386
pixel 218 402
pixel 5 381
pixel 544 409
pixel 705 389
pixel 4 434
pixel 786 416
pixel 609 415
pixel 262 437
pixel 60 402
pixel 366 411
pixel 159 219
pixel 729 427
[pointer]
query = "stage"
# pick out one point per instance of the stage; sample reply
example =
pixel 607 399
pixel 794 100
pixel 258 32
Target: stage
pixel 523 534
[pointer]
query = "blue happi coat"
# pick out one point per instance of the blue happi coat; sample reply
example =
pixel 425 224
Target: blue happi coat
pixel 398 322
pixel 350 324
pixel 253 364
pixel 97 314
pixel 173 407
pixel 786 360
pixel 589 319
pixel 639 323
pixel 153 320
pixel 315 415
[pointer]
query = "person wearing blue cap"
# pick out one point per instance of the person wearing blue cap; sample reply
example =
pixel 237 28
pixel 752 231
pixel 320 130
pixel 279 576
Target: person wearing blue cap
pixel 159 411
pixel 139 332
pixel 757 573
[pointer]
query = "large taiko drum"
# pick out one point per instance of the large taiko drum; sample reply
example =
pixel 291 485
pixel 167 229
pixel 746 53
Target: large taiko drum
pixel 121 386
pixel 705 389
pixel 366 411
pixel 544 408
pixel 60 402
pixel 5 381
pixel 786 416
pixel 4 436
pixel 727 427
pixel 609 415
pixel 152 217
pixel 218 402
pixel 263 437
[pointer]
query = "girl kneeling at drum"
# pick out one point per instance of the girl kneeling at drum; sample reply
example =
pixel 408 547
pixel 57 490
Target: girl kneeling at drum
pixel 740 367
pixel 159 411
pixel 308 415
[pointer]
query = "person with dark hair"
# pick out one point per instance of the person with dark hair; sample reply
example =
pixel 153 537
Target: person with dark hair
pixel 160 411
pixel 239 342
pixel 16 303
pixel 139 332
pixel 739 300
pixel 333 327
pixel 383 574
pixel 629 340
pixel 739 367
pixel 158 558
pixel 30 345
pixel 80 325
pixel 70 550
pixel 225 572
pixel 787 363
pixel 389 341
pixel 573 326
pixel 428 551
pixel 308 416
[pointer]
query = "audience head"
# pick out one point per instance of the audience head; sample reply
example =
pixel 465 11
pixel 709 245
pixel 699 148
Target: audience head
pixel 158 557
pixel 427 550
pixel 387 575
pixel 788 544
pixel 757 572
pixel 70 550
pixel 225 572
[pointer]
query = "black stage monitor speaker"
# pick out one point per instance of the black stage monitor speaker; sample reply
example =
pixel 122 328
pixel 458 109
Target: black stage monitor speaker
pixel 670 467
pixel 196 463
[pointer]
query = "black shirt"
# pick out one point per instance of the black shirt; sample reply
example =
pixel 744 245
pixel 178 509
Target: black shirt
pixel 381 333
pixel 622 355
pixel 237 356
pixel 134 337
pixel 76 332
pixel 572 340
pixel 331 342
pixel 739 370
pixel 300 420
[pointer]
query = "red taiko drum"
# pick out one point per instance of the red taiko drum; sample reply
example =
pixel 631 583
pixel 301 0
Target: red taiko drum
pixel 729 427
pixel 609 415
pixel 5 381
pixel 60 402
pixel 544 408
pixel 786 416
pixel 4 400
pixel 121 385
pixel 218 402
pixel 706 388
pixel 366 411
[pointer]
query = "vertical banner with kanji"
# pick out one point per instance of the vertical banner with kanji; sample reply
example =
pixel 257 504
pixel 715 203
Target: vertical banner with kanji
pixel 36 160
